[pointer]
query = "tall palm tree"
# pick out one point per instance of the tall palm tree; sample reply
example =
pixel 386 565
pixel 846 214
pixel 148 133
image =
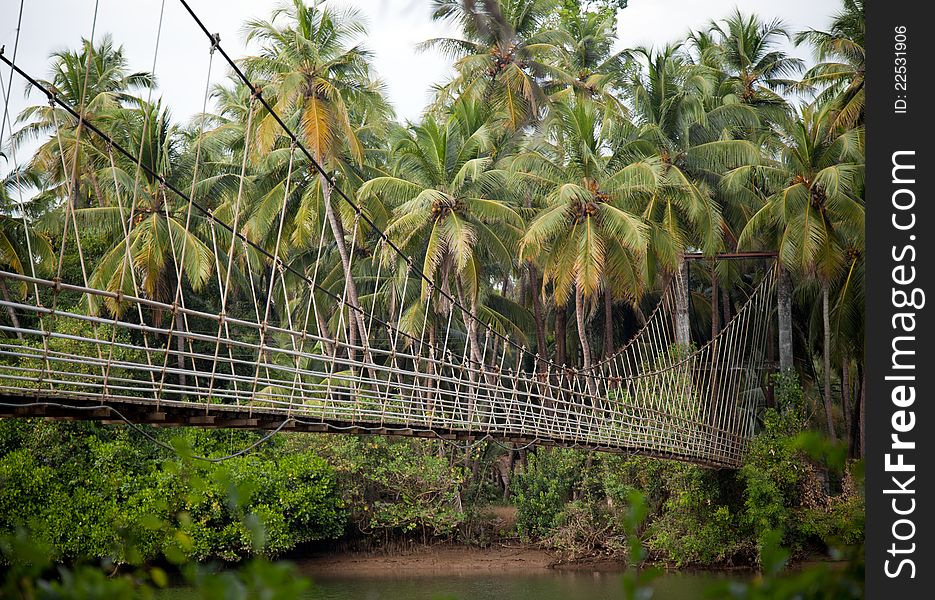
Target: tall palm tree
pixel 312 74
pixel 96 78
pixel 686 143
pixel 584 231
pixel 839 76
pixel 756 68
pixel 744 62
pixel 586 64
pixel 816 207
pixel 155 245
pixel 502 56
pixel 448 205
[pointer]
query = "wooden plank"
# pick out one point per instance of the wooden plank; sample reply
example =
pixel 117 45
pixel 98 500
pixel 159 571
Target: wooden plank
pixel 235 423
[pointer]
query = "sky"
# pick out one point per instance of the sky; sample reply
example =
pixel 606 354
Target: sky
pixel 395 28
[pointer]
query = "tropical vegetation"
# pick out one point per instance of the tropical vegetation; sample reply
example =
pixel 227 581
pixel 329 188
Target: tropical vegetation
pixel 548 194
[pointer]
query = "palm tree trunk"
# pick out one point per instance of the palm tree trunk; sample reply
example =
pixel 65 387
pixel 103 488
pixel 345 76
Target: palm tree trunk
pixel 469 323
pixel 98 193
pixel 560 335
pixel 725 305
pixel 323 329
pixel 608 323
pixel 337 229
pixel 682 326
pixel 539 317
pixel 505 286
pixel 715 325
pixel 583 337
pixel 639 314
pixel 846 403
pixel 826 321
pixel 73 178
pixel 14 319
pixel 784 318
pixel 430 369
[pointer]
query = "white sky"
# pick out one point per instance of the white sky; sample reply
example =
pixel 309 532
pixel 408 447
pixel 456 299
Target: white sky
pixel 396 26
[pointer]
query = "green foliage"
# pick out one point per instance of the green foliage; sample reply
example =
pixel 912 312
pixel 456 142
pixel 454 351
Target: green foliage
pixel 700 521
pixel 699 516
pixel 542 491
pixel 31 575
pixel 83 489
pixel 24 485
pixel 294 497
pixel 393 486
pixel 786 475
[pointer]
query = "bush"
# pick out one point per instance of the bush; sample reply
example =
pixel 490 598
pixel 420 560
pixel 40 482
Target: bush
pixel 541 492
pixel 393 486
pixel 702 519
pixel 114 489
pixel 695 515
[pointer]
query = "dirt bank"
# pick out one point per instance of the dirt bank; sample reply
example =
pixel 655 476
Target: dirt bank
pixel 443 560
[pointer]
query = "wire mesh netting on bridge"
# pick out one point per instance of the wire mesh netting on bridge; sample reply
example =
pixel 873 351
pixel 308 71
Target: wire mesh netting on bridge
pixel 241 331
pixel 652 397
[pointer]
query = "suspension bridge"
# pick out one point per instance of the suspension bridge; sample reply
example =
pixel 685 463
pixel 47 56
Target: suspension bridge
pixel 281 349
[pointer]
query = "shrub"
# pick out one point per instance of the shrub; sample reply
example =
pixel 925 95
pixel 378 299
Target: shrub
pixel 113 489
pixel 540 493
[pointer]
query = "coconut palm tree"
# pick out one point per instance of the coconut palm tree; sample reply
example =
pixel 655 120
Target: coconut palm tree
pixel 586 64
pixel 153 246
pixel 304 210
pixel 839 76
pixel 756 69
pixel 312 74
pixel 816 209
pixel 97 79
pixel 448 206
pixel 585 233
pixel 686 142
pixel 502 56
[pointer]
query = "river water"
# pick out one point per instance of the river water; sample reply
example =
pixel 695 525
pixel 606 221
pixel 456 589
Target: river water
pixel 550 585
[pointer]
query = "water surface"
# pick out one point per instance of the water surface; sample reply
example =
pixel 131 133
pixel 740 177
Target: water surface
pixel 551 585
